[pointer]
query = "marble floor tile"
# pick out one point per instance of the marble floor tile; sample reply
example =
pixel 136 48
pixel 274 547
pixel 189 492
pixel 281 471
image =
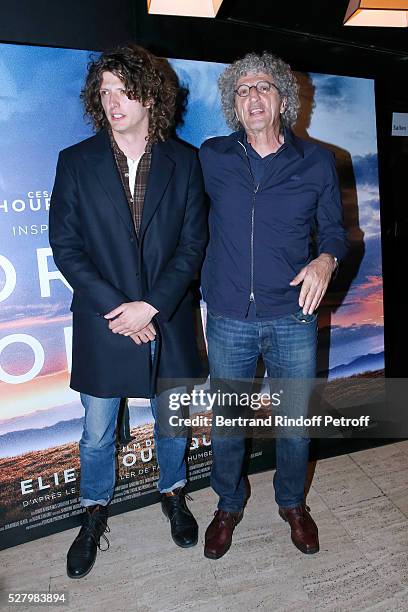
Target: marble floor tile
pixel 341 482
pixel 399 498
pixel 393 482
pixel 156 584
pixel 355 591
pixel 402 444
pixel 387 550
pixel 278 595
pixel 396 602
pixel 369 518
pixel 381 461
pixel 388 469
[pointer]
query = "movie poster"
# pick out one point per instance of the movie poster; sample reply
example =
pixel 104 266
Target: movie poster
pixel 40 417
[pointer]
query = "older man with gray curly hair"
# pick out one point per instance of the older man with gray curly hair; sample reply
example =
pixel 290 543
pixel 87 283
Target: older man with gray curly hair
pixel 271 194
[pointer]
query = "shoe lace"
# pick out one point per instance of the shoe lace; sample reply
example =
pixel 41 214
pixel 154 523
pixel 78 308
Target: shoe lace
pixel 178 506
pixel 93 527
pixel 107 530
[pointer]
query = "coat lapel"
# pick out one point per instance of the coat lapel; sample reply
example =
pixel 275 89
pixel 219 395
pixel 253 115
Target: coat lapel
pixel 104 167
pixel 161 170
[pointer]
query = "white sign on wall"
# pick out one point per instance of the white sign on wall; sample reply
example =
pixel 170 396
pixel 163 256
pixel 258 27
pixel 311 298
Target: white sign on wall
pixel 399 124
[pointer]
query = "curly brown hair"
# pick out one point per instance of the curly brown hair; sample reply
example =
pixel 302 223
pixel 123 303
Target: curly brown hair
pixel 146 78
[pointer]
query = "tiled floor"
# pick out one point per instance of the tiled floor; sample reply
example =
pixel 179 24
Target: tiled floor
pixel 360 502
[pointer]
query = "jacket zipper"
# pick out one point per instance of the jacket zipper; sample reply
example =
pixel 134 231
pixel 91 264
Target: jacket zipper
pixel 251 295
pixel 255 191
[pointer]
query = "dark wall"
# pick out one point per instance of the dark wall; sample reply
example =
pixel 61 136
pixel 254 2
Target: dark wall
pixel 77 24
pixel 98 24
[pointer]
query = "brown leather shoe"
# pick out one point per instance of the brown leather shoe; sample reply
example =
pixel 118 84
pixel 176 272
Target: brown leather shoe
pixel 218 536
pixel 304 532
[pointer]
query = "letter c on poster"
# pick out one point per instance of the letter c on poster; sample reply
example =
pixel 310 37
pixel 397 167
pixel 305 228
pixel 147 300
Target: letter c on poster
pixel 11 278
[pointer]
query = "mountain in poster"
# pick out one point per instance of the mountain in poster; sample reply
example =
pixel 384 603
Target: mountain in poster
pixel 47 428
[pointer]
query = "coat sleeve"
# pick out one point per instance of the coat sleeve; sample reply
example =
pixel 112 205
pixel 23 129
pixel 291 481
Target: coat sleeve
pixel 68 245
pixel 177 275
pixel 331 235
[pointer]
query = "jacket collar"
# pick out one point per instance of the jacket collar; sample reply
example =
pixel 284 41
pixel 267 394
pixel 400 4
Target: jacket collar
pixel 292 142
pixel 100 156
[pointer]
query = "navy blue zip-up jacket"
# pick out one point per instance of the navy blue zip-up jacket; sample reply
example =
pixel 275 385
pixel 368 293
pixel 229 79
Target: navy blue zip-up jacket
pixel 261 235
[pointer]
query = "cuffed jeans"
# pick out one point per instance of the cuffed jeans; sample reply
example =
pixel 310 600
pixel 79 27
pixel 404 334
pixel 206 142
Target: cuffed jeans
pixel 98 446
pixel 288 347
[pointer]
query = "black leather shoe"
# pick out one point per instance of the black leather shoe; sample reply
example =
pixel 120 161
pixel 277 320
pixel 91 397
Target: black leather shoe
pixel 82 553
pixel 184 528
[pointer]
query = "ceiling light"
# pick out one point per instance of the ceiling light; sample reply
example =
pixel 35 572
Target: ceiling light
pixel 377 13
pixel 185 8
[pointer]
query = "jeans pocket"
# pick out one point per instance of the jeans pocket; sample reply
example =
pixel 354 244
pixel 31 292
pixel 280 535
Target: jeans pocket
pixel 304 319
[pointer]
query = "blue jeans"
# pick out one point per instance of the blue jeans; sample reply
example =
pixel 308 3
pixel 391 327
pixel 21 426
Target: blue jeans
pixel 97 448
pixel 288 348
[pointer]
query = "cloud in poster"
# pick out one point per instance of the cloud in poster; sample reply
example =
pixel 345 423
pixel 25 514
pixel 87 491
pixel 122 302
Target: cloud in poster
pixel 29 79
pixel 344 113
pixel 363 171
pixel 10 103
pixel 28 323
pixel 366 169
pixel 369 266
pixel 200 79
pixel 361 197
pixel 363 332
pixel 34 83
pixel 362 305
pixel 333 91
pixel 369 214
pixel 11 314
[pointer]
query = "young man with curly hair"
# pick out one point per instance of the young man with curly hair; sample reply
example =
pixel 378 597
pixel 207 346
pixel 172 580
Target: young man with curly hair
pixel 128 232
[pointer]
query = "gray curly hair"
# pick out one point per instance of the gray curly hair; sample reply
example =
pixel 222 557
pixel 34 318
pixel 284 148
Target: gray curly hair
pixel 283 78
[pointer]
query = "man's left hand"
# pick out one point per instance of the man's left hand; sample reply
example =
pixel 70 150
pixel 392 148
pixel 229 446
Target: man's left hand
pixel 315 278
pixel 130 317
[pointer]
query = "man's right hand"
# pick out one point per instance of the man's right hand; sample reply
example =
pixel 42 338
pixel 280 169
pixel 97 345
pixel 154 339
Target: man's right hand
pixel 130 317
pixel 147 334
